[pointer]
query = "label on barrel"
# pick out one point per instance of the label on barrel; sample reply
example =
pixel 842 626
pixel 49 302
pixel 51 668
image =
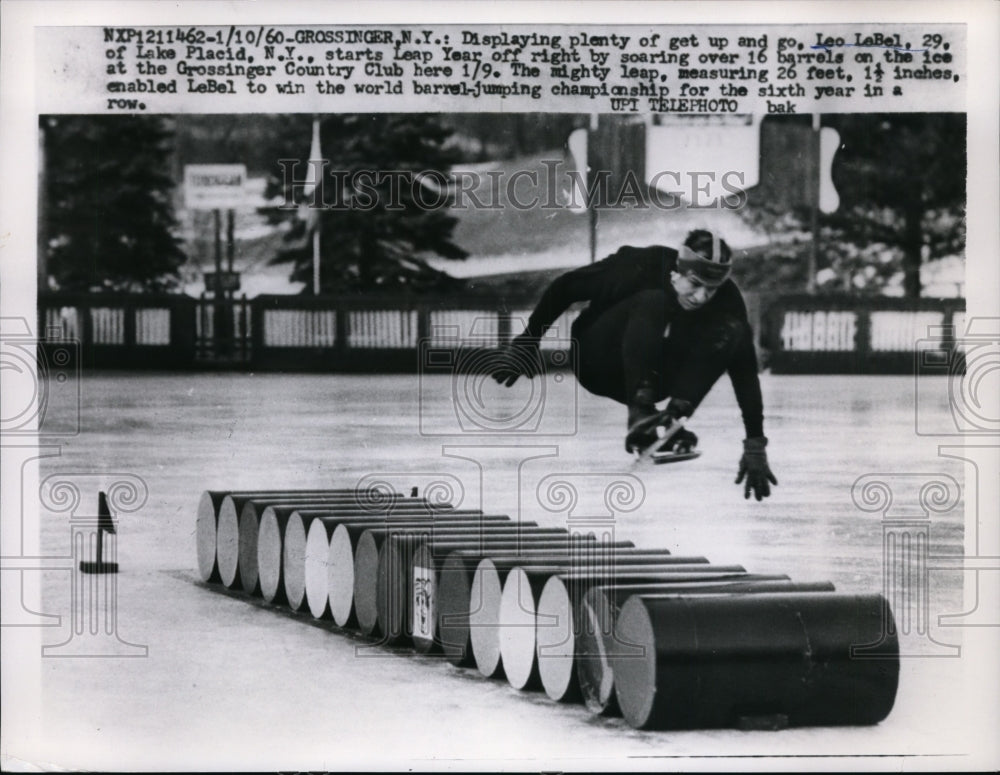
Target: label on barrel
pixel 423 602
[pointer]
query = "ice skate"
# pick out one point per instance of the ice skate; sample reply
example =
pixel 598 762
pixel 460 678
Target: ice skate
pixel 666 440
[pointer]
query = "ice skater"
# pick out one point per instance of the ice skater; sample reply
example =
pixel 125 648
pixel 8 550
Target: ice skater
pixel 660 324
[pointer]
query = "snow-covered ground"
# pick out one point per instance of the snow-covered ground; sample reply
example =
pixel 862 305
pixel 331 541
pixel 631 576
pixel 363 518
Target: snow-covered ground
pixel 538 240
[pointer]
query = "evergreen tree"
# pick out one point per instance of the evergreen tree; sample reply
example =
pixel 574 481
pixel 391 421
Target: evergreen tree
pixel 901 181
pixel 109 217
pixel 381 204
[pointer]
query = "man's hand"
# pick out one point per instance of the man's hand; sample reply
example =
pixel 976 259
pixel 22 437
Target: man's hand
pixel 753 467
pixel 520 358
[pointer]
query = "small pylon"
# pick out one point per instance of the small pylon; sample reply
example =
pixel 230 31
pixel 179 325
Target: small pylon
pixel 105 524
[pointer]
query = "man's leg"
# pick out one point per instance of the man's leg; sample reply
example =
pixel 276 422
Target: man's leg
pixel 621 351
pixel 618 355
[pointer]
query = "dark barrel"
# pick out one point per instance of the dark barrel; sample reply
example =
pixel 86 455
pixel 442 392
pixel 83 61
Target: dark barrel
pixel 740 660
pixel 469 592
pixel 518 623
pixel 428 561
pixel 392 588
pixel 594 620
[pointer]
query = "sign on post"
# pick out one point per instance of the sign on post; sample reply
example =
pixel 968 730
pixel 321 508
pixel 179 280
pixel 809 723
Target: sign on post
pixel 214 186
pixel 222 282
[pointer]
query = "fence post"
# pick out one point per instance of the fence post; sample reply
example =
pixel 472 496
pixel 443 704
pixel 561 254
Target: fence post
pixel 182 327
pixel 423 324
pixel 862 339
pixel 503 325
pixel 343 326
pixel 41 319
pixel 85 322
pixel 128 324
pixel 948 332
pixel 257 332
pixel 770 336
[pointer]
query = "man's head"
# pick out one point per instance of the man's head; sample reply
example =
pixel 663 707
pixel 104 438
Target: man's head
pixel 703 264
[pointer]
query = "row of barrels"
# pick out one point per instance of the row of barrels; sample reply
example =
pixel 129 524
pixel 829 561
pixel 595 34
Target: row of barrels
pixel 667 641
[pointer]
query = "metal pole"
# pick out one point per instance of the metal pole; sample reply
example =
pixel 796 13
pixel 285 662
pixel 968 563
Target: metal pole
pixel 814 205
pixel 315 152
pixel 99 559
pixel 316 258
pixel 591 210
pixel 218 252
pixel 230 245
pixel 219 310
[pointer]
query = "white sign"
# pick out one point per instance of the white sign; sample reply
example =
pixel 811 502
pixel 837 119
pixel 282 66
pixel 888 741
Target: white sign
pixel 214 186
pixel 423 602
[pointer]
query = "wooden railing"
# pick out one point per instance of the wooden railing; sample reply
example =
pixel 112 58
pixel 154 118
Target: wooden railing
pixel 796 334
pixel 282 332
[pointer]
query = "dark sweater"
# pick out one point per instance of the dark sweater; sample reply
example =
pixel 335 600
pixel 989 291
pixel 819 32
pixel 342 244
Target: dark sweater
pixel 631 270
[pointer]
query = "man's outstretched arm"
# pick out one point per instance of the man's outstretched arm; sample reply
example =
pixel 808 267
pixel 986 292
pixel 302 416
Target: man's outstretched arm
pixel 522 357
pixel 754 470
pixel 582 284
pixel 746 383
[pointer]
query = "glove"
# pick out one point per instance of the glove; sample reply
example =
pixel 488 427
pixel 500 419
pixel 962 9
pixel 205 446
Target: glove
pixel 753 467
pixel 521 357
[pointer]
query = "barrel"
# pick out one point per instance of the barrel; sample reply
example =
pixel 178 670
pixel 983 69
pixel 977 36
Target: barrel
pixel 710 661
pixel 293 557
pixel 485 594
pixel 517 625
pixel 381 586
pixel 427 564
pixel 395 591
pixel 317 549
pixel 274 527
pixel 207 524
pixel 230 546
pixel 468 581
pixel 408 509
pixel 373 577
pixel 327 566
pixel 270 550
pixel 593 618
pixel 421 583
pixel 396 569
pixel 367 552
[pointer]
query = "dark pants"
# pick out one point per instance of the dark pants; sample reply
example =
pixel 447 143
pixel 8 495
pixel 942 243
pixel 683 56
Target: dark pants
pixel 625 345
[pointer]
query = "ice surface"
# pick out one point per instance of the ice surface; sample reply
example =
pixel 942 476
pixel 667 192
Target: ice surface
pixel 231 683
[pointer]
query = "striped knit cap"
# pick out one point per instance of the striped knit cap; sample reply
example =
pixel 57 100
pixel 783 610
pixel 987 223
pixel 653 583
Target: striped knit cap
pixel 712 265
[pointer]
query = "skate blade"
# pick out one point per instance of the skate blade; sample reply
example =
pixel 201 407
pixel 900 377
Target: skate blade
pixel 647 454
pixel 659 458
